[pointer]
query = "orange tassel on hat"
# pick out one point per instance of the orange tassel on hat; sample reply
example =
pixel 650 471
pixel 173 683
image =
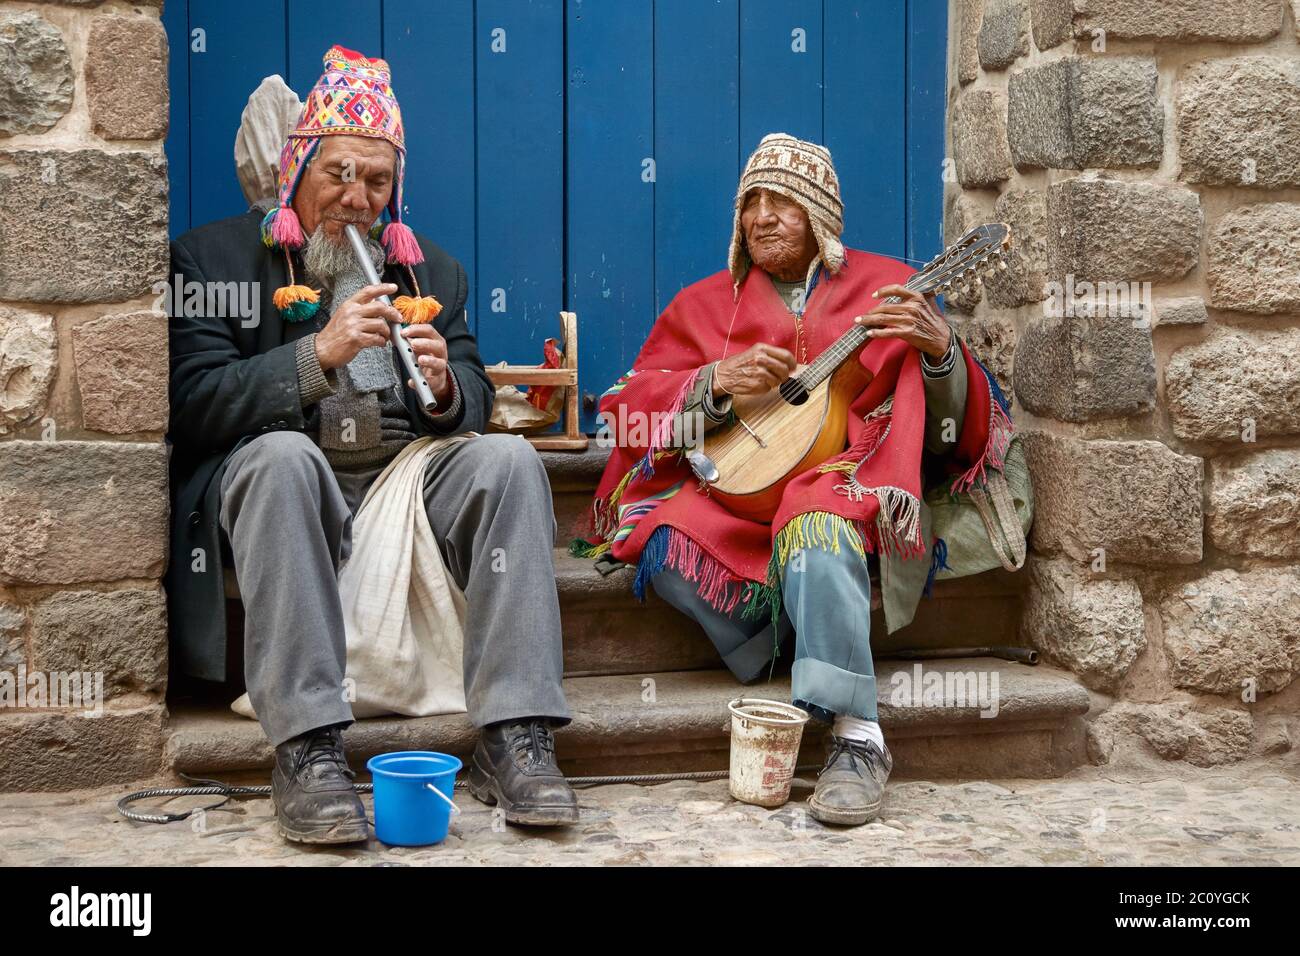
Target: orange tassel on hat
pixel 425 308
pixel 417 308
pixel 295 302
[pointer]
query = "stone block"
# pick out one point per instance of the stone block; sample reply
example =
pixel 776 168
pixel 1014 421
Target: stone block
pixel 1080 368
pixel 1160 225
pixel 1251 259
pixel 81 225
pixel 1233 631
pixel 979 138
pixel 1253 504
pixel 1091 626
pixel 126 77
pixel 29 358
pixel 122 372
pixel 51 750
pixel 1004 33
pixel 36 81
pixel 1085 112
pixel 1235 386
pixel 1139 501
pixel 1239 122
pixel 121 634
pixel 1187 20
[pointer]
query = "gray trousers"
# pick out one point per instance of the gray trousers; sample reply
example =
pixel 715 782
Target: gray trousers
pixel 288 517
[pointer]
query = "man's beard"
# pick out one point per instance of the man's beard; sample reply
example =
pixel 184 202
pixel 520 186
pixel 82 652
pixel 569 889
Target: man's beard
pixel 327 260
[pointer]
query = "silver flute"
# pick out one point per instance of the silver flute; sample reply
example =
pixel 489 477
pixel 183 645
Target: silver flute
pixel 400 342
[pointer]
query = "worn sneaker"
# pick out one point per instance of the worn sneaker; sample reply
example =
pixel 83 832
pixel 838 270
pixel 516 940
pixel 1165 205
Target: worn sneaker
pixel 851 787
pixel 514 767
pixel 311 789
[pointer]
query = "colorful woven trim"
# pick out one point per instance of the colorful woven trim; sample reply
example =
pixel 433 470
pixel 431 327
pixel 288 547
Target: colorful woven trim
pixel 611 517
pixel 628 376
pixel 1001 431
pixel 821 530
pixel 669 547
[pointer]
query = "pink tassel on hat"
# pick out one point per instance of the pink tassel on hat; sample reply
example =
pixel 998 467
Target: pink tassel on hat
pixel 286 230
pixel 401 245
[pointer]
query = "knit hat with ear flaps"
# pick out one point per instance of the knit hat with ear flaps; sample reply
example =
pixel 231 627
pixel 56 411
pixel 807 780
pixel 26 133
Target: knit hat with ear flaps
pixel 800 171
pixel 353 97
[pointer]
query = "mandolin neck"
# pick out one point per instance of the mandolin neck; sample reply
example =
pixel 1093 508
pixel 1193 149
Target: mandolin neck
pixel 843 348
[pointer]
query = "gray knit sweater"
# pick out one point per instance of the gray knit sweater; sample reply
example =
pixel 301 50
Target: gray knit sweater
pixel 395 428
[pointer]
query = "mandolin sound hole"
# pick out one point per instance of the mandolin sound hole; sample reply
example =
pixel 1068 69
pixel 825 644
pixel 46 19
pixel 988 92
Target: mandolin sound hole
pixel 793 391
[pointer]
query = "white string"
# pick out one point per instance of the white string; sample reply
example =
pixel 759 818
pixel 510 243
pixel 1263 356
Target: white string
pixel 727 344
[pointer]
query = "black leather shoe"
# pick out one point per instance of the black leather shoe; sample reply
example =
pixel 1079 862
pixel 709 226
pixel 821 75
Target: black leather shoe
pixel 514 767
pixel 311 788
pixel 851 787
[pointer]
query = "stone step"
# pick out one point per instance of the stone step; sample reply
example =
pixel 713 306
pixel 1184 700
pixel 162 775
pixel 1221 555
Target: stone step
pixel 574 476
pixel 606 631
pixel 677 721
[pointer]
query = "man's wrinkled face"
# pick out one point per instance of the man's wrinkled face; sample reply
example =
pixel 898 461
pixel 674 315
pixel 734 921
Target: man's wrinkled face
pixel 349 179
pixel 777 234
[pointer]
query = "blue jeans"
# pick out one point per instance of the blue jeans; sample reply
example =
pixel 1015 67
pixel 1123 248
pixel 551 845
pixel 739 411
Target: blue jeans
pixel 826 605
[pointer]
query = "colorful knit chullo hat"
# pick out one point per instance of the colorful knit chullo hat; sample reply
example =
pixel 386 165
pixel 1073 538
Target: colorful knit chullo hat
pixel 353 97
pixel 800 171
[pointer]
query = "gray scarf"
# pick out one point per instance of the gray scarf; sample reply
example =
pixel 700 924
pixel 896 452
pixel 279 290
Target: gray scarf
pixel 350 418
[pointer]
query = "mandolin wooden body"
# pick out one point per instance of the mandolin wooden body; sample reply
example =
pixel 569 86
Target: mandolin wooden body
pixel 752 478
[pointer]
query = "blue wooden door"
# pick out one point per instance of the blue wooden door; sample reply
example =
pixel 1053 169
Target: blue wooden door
pixel 584 154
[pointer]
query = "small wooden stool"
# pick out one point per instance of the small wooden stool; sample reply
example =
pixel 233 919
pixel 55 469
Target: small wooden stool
pixel 565 377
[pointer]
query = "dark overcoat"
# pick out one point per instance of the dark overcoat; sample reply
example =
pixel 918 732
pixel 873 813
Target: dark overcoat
pixel 234 378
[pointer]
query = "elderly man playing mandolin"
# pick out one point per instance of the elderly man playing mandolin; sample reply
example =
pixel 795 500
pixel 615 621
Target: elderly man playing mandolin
pixel 791 293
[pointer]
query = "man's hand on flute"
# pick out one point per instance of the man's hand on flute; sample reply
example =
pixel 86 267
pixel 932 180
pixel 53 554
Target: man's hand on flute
pixel 359 323
pixel 431 355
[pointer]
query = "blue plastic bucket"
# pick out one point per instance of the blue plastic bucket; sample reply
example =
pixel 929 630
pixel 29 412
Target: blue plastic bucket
pixel 413 791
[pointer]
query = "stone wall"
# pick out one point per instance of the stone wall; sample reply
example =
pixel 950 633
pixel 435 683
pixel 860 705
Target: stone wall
pixel 83 394
pixel 1147 141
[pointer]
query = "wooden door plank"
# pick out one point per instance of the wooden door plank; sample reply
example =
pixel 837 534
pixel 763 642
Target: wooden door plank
pixel 430 50
pixel 610 181
pixel 244 42
pixel 519 81
pixel 697 116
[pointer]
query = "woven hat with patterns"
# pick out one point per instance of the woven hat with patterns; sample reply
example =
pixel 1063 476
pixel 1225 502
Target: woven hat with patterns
pixel 800 171
pixel 353 97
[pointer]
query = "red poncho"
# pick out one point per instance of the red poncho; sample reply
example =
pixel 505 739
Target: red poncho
pixel 649 508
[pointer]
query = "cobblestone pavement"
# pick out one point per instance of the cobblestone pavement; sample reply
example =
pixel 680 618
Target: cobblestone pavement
pixel 1241 817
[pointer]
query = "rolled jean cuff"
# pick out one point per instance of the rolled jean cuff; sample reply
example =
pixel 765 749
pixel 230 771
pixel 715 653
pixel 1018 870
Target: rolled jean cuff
pixel 841 692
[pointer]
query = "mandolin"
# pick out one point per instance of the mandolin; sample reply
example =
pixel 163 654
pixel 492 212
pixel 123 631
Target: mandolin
pixel 782 433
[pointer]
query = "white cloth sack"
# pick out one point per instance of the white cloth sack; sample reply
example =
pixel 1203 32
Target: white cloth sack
pixel 403 613
pixel 271 114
